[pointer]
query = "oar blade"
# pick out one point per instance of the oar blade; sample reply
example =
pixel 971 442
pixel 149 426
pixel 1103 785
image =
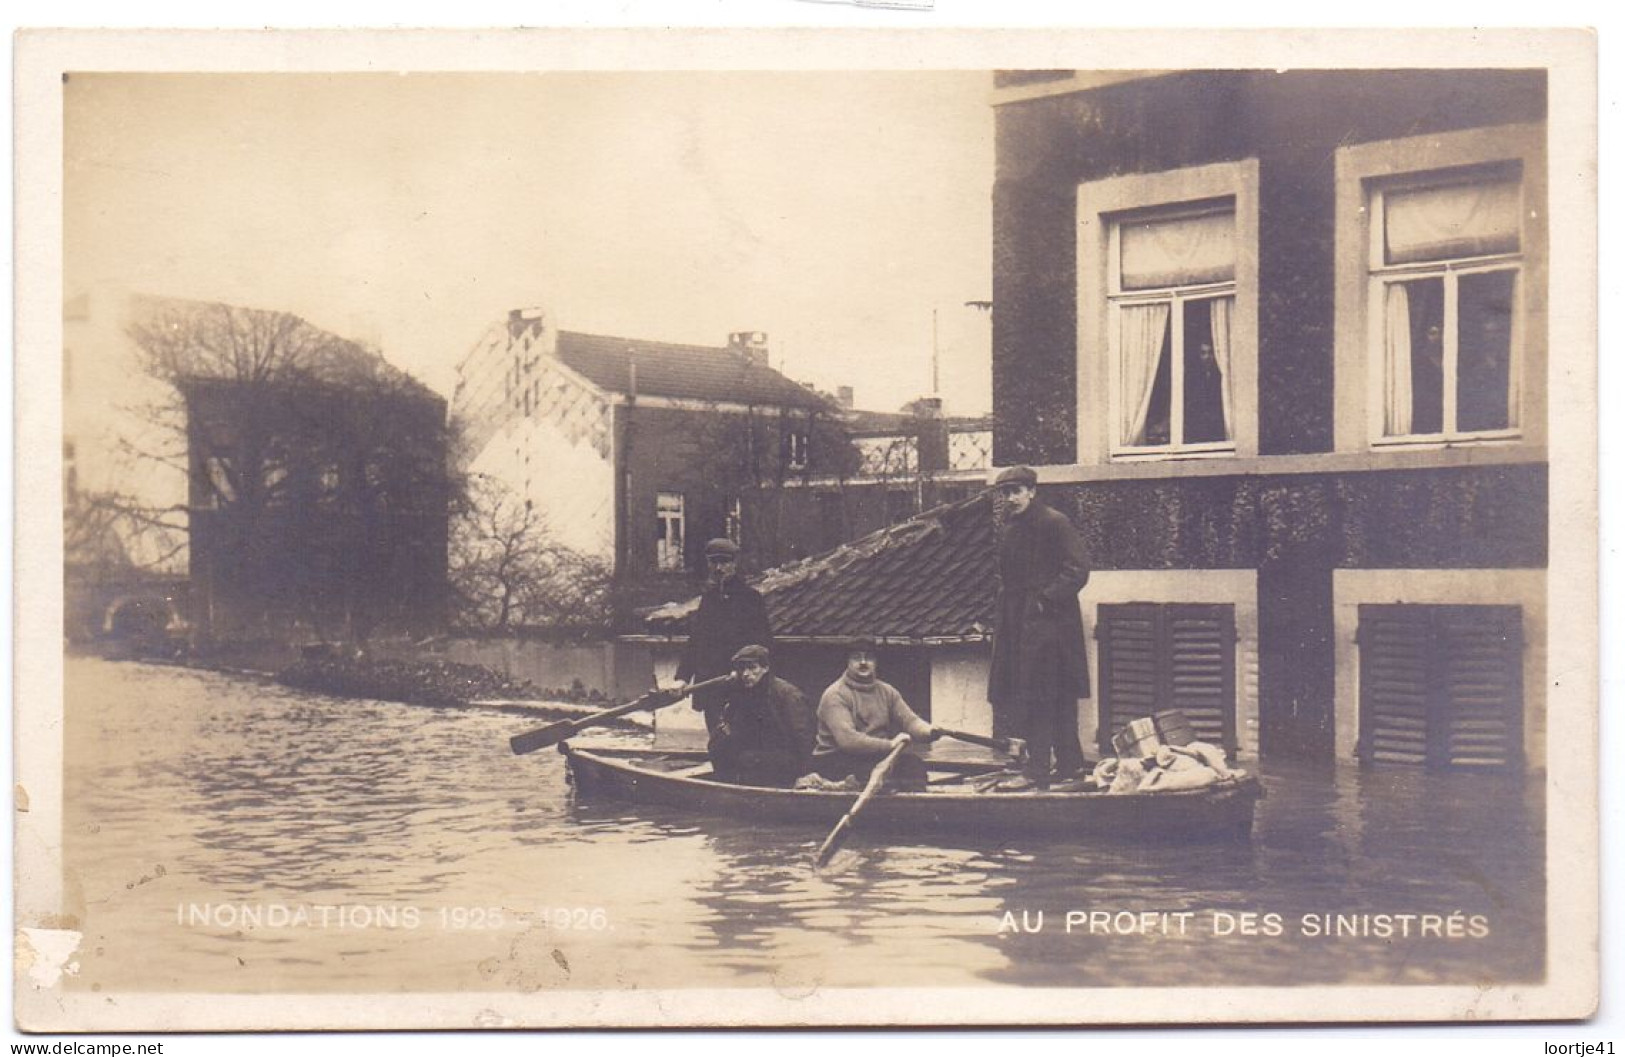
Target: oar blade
pixel 542 738
pixel 833 842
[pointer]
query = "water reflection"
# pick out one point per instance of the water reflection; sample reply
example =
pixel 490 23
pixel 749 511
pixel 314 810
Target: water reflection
pixel 187 787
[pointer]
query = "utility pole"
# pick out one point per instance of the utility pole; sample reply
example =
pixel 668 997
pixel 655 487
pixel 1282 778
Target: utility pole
pixel 935 387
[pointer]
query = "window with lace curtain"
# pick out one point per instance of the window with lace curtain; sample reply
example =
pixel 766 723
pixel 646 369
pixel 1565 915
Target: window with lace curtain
pixel 1171 294
pixel 1446 264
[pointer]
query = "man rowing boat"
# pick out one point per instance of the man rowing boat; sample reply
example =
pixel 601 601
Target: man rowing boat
pixel 861 717
pixel 766 729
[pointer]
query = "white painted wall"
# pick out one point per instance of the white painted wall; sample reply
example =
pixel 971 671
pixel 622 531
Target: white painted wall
pixel 959 688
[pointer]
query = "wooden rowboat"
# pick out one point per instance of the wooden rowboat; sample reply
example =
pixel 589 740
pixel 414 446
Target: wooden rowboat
pixel 951 804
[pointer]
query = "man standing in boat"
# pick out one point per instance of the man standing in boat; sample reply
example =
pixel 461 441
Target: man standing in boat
pixel 731 615
pixel 765 735
pixel 860 718
pixel 1040 668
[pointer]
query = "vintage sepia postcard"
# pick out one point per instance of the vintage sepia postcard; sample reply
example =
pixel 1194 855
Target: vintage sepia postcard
pixel 722 528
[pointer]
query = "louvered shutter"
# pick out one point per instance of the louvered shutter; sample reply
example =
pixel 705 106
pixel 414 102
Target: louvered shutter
pixel 1201 659
pixel 1129 637
pixel 1155 657
pixel 1441 686
pixel 1481 685
pixel 1394 678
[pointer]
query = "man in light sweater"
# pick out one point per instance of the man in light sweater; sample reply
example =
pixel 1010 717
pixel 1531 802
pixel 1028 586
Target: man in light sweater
pixel 860 718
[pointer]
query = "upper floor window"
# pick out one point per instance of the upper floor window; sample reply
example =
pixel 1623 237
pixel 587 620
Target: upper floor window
pixel 669 531
pixel 1446 266
pixel 1172 295
pixel 795 450
pixel 734 521
pixel 1168 314
pixel 1439 286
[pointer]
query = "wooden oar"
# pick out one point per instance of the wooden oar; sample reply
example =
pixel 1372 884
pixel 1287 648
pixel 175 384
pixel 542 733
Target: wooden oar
pixel 554 733
pixel 1009 746
pixel 877 778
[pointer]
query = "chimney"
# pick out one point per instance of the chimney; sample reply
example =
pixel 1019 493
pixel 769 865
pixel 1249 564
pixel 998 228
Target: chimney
pixel 931 434
pixel 751 344
pixel 522 319
pixel 843 396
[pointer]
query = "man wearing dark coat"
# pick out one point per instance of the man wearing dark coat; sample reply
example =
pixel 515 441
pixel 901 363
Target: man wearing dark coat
pixel 766 733
pixel 731 614
pixel 1040 667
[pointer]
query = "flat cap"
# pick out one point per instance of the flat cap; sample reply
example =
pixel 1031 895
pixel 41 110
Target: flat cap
pixel 1017 475
pixel 722 548
pixel 750 653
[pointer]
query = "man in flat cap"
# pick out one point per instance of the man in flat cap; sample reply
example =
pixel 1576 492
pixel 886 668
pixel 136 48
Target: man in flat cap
pixel 1040 667
pixel 765 734
pixel 731 615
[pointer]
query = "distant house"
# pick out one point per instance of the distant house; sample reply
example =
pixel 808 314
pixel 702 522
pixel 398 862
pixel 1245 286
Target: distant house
pixel 247 473
pixel 1276 342
pixel 922 588
pixel 908 461
pixel 639 451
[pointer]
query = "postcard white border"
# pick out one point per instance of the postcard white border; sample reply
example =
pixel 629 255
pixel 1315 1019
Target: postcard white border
pixel 1569 56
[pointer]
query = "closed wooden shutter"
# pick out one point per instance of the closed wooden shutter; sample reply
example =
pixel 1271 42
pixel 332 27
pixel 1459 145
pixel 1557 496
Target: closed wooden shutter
pixel 1128 636
pixel 1481 685
pixel 1394 683
pixel 1201 653
pixel 1441 686
pixel 1155 657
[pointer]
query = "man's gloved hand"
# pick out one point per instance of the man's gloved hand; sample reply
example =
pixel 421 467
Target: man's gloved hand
pixel 900 739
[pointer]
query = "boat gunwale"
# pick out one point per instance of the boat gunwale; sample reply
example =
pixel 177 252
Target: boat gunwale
pixel 601 757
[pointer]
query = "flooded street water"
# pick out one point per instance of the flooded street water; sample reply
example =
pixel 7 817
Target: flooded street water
pixel 226 835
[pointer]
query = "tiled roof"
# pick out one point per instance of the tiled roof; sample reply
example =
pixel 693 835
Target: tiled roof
pixel 689 372
pixel 930 578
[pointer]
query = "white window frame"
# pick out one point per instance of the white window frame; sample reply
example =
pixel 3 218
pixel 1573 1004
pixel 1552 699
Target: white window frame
pixel 1450 270
pixel 1176 298
pixel 1363 168
pixel 734 528
pixel 670 512
pixel 1101 204
pixel 796 444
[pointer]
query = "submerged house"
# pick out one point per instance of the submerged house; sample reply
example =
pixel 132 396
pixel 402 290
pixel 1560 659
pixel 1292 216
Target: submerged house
pixel 922 589
pixel 1276 342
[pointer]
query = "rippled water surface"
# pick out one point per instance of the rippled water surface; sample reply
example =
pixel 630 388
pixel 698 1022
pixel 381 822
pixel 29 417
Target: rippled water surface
pixel 224 834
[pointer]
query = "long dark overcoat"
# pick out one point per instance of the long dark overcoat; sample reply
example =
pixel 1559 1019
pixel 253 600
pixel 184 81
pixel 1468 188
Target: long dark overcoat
pixel 728 617
pixel 1038 644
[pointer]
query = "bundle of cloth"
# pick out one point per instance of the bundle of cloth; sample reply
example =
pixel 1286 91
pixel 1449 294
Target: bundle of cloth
pixel 1172 767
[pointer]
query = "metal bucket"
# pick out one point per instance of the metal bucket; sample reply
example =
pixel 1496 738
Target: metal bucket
pixel 1136 739
pixel 1174 727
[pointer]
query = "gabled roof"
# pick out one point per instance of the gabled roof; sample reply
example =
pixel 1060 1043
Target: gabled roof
pixel 928 580
pixel 684 372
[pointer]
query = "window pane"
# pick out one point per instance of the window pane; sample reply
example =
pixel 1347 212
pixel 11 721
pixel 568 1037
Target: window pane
pixel 1158 416
pixel 1484 350
pixel 1459 220
pixel 1207 348
pixel 1414 337
pixel 1178 252
pixel 1144 373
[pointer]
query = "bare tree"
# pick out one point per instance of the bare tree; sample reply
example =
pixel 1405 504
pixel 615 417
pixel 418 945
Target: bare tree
pixel 507 569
